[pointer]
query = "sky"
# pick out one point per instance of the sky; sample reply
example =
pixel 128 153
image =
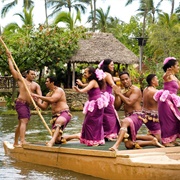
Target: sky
pixel 118 9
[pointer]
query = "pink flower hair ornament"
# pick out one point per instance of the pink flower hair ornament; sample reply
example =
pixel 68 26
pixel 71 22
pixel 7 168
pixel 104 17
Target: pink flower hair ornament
pixel 100 74
pixel 167 60
pixel 100 64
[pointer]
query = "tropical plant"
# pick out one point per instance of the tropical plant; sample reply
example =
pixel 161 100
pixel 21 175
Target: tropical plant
pixel 69 4
pixel 68 19
pixel 27 4
pixel 102 19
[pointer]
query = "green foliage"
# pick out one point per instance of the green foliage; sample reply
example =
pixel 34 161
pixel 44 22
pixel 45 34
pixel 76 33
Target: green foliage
pixel 50 47
pixel 9 101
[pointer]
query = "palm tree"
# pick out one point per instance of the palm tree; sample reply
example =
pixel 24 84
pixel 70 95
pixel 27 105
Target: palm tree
pixel 146 7
pixel 27 19
pixel 26 4
pixel 46 15
pixel 165 36
pixel 68 19
pixel 172 5
pixel 69 4
pixel 101 19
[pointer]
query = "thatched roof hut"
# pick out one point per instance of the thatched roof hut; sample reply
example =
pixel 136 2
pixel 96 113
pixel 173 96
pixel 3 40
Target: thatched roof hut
pixel 99 46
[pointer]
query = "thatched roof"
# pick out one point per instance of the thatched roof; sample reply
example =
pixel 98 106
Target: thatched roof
pixel 101 46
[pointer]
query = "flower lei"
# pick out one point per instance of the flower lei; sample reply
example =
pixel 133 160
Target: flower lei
pixel 100 74
pixel 167 59
pixel 100 64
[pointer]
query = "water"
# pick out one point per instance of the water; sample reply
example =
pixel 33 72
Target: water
pixel 11 169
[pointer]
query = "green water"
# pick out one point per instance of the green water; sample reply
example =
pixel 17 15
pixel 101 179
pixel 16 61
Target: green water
pixel 11 169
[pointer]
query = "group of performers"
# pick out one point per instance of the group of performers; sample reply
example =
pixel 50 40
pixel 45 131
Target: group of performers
pixel 157 109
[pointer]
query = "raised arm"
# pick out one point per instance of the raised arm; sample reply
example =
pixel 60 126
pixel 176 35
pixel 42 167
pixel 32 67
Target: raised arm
pixel 14 73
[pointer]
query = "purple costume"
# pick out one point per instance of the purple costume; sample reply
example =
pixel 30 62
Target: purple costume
pixel 135 123
pixel 65 114
pixel 92 130
pixel 169 114
pixel 22 108
pixel 111 123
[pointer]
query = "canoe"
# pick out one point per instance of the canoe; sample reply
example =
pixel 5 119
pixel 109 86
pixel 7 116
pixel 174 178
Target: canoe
pixel 152 163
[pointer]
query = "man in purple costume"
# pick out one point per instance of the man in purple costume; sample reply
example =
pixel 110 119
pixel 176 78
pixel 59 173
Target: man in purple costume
pixel 150 107
pixel 131 98
pixel 60 110
pixel 23 101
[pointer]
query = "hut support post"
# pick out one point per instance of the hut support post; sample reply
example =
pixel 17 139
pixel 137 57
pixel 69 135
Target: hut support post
pixel 73 75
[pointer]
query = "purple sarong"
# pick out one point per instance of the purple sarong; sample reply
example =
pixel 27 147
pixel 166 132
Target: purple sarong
pixel 92 131
pixel 22 108
pixel 135 124
pixel 169 114
pixel 111 122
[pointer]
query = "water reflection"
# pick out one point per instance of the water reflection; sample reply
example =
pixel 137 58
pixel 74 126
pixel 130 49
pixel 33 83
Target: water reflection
pixel 36 132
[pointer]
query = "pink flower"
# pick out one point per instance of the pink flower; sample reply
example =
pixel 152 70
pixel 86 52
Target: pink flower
pixel 167 59
pixel 100 74
pixel 100 64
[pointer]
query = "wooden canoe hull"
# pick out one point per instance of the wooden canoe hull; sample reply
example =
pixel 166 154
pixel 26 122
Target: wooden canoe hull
pixel 156 164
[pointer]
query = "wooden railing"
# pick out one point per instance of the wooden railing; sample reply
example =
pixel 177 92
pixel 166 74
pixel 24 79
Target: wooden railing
pixel 6 83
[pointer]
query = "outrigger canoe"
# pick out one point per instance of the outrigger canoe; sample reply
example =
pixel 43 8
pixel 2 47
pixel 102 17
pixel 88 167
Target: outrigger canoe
pixel 152 163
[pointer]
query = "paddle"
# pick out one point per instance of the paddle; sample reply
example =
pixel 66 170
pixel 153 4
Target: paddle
pixel 36 107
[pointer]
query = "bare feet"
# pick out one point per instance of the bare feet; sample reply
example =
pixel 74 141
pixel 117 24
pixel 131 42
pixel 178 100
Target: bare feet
pixel 94 145
pixel 156 143
pixel 49 144
pixel 113 149
pixel 176 143
pixel 169 145
pixel 17 145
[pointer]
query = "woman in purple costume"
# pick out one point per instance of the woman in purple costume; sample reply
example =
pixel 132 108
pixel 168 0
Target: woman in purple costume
pixel 110 121
pixel 92 133
pixel 168 103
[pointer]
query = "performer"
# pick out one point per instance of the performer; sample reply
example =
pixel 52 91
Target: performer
pixel 92 133
pixel 22 103
pixel 131 98
pixel 111 123
pixel 60 110
pixel 168 103
pixel 150 107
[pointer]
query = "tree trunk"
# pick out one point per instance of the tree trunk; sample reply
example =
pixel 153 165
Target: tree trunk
pixel 45 5
pixel 69 75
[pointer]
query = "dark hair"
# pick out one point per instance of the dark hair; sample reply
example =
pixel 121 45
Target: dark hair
pixel 169 64
pixel 92 70
pixel 53 79
pixel 105 65
pixel 123 72
pixel 149 79
pixel 28 71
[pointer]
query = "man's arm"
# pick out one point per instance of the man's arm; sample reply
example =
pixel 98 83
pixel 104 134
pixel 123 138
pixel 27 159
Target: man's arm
pixel 11 67
pixel 132 98
pixel 56 96
pixel 117 102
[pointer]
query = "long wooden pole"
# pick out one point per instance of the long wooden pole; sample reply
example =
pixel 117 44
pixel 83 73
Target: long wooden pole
pixel 36 107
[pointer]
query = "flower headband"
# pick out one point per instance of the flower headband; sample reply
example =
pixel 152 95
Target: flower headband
pixel 167 59
pixel 100 74
pixel 100 64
